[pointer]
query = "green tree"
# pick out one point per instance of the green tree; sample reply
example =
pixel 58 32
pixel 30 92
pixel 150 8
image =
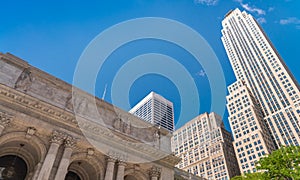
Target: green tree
pixel 283 163
pixel 251 176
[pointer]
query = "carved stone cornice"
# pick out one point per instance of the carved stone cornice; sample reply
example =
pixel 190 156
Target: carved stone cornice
pixel 57 137
pixel 5 119
pixel 170 160
pixel 154 171
pixel 94 130
pixel 30 103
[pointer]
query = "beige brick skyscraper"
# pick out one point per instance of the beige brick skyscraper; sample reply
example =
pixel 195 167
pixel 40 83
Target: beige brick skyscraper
pixel 205 148
pixel 256 62
pixel 252 138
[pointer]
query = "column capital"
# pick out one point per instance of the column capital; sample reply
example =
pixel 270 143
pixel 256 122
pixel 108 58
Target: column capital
pixel 70 142
pixel 154 171
pixel 111 159
pixel 57 137
pixel 5 119
pixel 121 163
pixel 109 173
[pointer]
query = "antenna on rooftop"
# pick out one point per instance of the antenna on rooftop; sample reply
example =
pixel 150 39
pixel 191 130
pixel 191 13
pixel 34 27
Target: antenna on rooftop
pixel 104 92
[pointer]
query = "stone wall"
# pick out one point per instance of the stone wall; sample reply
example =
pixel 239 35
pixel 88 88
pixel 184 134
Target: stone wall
pixel 57 129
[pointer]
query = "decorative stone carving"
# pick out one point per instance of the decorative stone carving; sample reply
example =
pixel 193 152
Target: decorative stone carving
pixel 5 119
pixel 127 128
pixel 70 141
pixel 156 137
pixel 117 155
pixel 81 105
pixel 39 106
pixel 69 103
pixel 136 167
pixel 90 152
pixel 47 91
pixel 122 126
pixel 155 171
pixel 121 163
pixel 57 137
pixel 111 159
pixel 30 132
pixel 24 80
pixel 118 124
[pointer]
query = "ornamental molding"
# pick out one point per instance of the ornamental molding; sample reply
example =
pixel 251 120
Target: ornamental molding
pixel 12 96
pixel 57 137
pixel 70 142
pixel 5 119
pixel 98 131
pixel 154 171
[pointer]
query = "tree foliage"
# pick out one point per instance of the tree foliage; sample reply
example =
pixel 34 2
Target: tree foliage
pixel 283 163
pixel 251 176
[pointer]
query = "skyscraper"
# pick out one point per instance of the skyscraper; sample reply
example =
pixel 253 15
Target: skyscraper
pixel 252 138
pixel 155 109
pixel 257 64
pixel 205 148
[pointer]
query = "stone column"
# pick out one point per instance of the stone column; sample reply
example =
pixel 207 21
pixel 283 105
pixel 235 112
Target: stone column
pixel 37 170
pixel 109 174
pixel 5 120
pixel 56 141
pixel 65 160
pixel 121 170
pixel 154 173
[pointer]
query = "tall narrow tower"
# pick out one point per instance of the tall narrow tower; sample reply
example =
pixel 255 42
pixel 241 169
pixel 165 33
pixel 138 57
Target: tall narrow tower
pixel 155 109
pixel 258 65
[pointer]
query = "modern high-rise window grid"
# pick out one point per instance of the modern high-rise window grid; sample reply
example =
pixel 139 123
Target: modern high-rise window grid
pixel 263 106
pixel 155 109
pixel 265 92
pixel 205 148
pixel 252 139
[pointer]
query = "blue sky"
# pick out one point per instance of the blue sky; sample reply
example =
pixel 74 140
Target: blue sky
pixel 51 35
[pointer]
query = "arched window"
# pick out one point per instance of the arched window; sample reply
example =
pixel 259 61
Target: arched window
pixel 130 177
pixel 72 176
pixel 12 168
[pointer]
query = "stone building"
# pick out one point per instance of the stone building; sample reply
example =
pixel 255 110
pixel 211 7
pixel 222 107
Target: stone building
pixel 252 139
pixel 50 130
pixel 205 148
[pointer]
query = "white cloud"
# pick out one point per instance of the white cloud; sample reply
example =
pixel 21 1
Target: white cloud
pixel 201 73
pixel 290 20
pixel 271 9
pixel 249 8
pixel 253 9
pixel 207 2
pixel 261 20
